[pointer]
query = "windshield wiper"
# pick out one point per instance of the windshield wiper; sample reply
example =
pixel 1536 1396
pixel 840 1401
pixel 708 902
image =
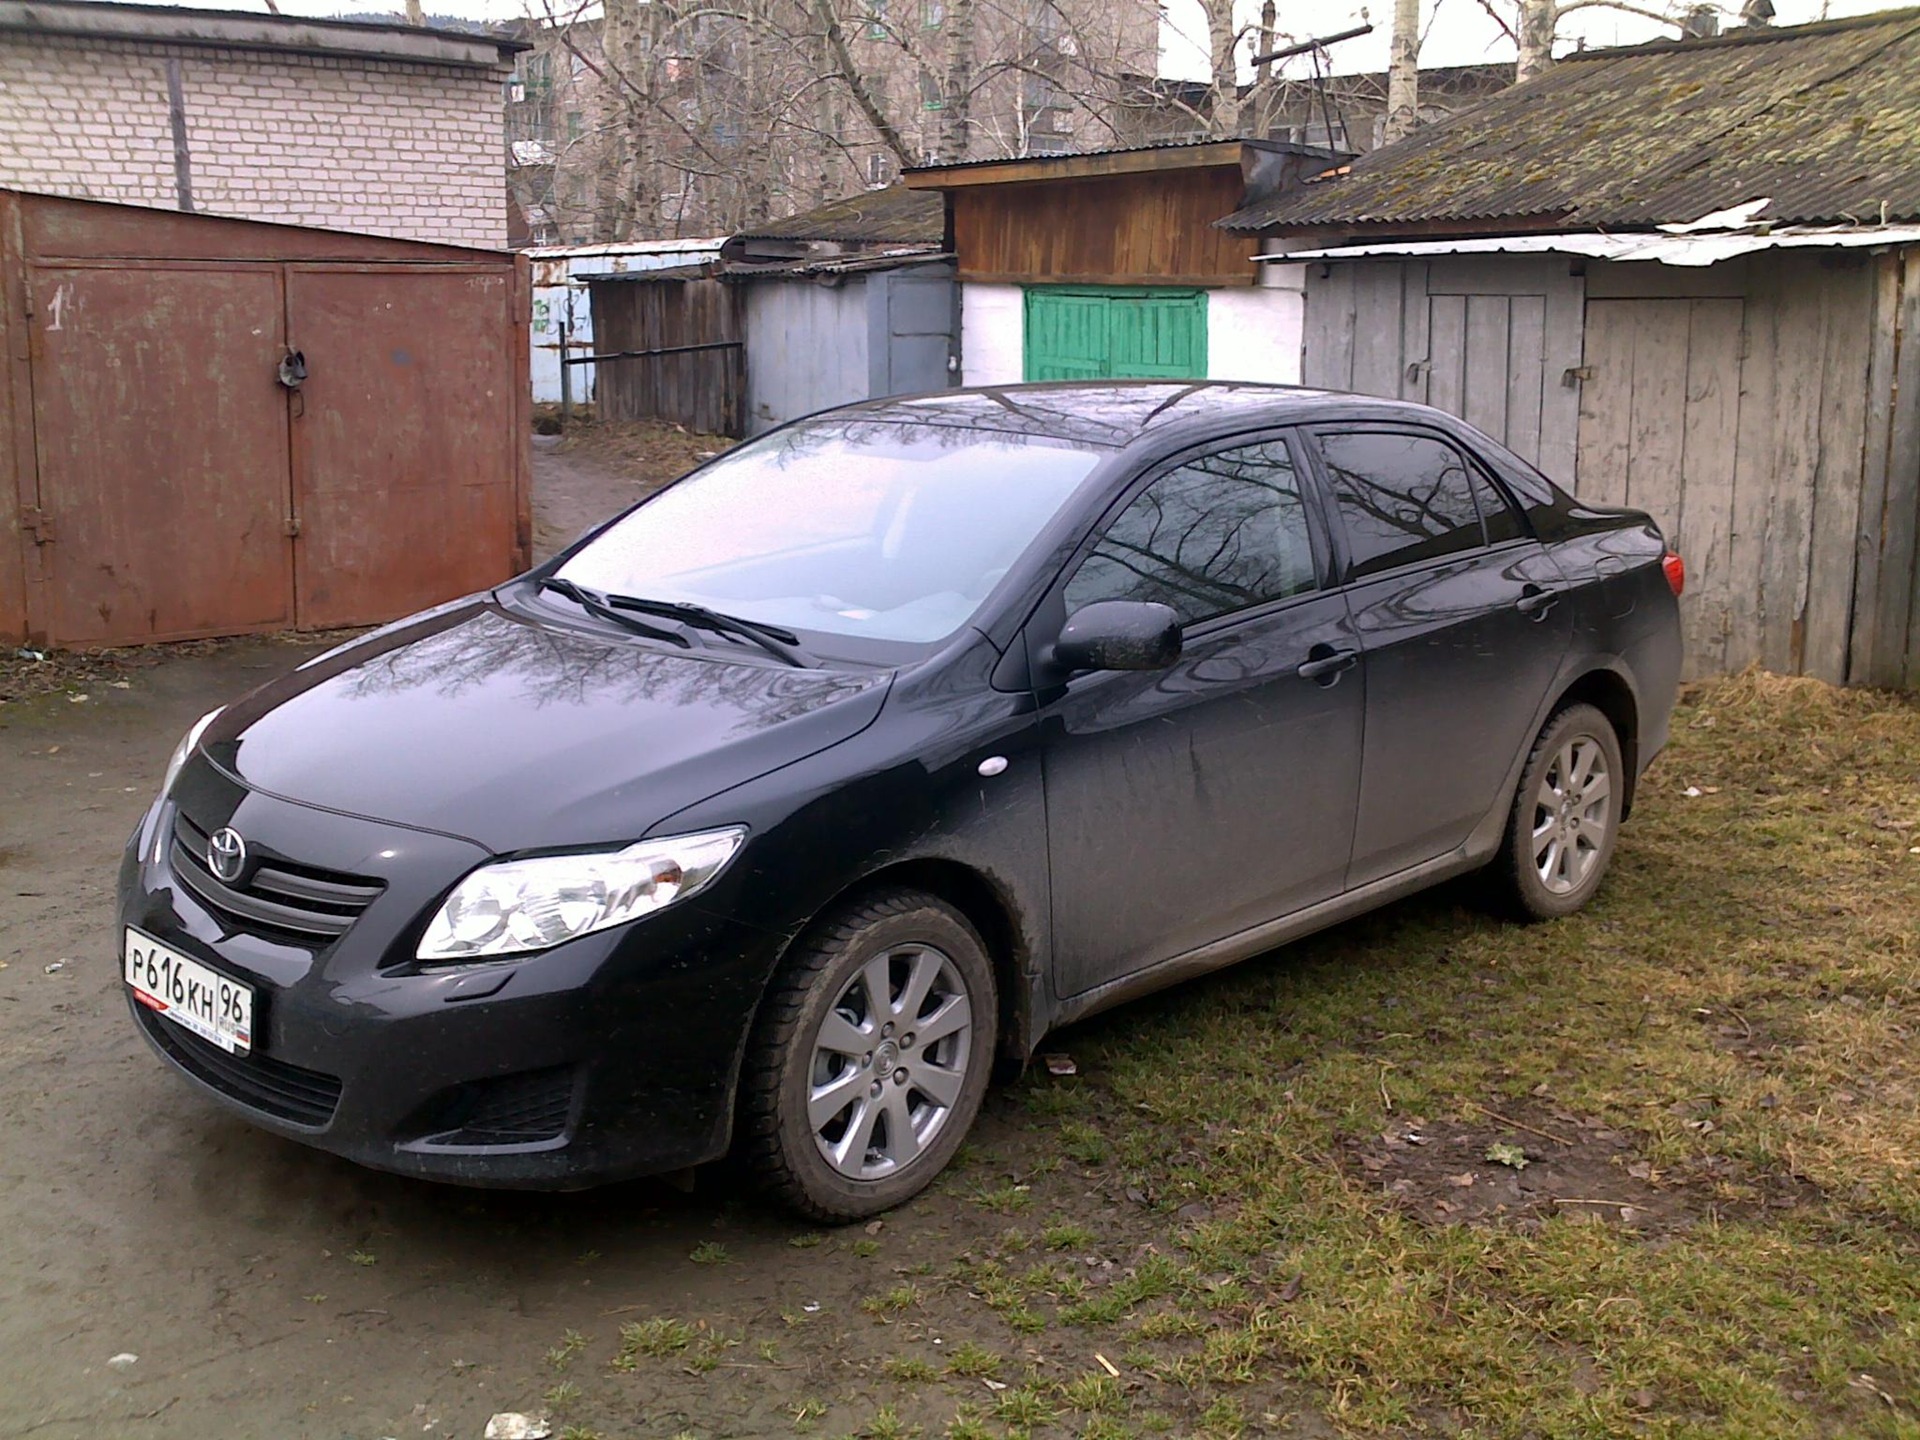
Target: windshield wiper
pixel 599 606
pixel 781 643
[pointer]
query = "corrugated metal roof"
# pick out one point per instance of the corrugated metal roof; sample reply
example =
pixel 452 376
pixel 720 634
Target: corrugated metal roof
pixel 893 216
pixel 1823 118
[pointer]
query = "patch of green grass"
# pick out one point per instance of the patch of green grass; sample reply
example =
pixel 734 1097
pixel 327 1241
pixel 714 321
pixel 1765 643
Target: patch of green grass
pixel 892 1302
pixel 968 1423
pixel 562 1397
pixel 973 1361
pixel 1008 1199
pixel 1094 1393
pixel 806 1410
pixel 911 1369
pixel 710 1252
pixel 362 1258
pixel 580 1432
pixel 865 1249
pixel 1024 1405
pixel 887 1425
pixel 656 1337
pixel 571 1344
pixel 807 1241
pixel 1063 1235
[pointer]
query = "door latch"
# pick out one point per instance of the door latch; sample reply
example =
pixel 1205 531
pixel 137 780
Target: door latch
pixel 35 522
pixel 293 369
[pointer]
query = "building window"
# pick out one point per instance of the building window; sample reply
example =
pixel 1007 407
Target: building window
pixel 576 125
pixel 933 14
pixel 876 19
pixel 879 172
pixel 930 96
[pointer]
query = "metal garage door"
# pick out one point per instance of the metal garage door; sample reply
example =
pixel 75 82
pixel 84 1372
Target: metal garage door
pixel 1115 333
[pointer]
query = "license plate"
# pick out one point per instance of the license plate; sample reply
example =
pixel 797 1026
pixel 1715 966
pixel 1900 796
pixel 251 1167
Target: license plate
pixel 190 994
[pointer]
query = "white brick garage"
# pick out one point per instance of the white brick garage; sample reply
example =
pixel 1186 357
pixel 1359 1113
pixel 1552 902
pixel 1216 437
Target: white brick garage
pixel 383 130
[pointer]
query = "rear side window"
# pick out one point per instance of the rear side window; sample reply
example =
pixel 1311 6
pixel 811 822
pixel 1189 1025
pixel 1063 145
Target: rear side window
pixel 1502 521
pixel 1220 533
pixel 1403 498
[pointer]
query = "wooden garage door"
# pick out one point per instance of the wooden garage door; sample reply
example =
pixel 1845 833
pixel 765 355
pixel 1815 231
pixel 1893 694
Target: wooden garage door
pixel 1115 333
pixel 405 495
pixel 161 434
pixel 1491 339
pixel 1659 416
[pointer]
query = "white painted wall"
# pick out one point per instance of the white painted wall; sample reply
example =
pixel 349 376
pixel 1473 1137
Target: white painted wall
pixel 1258 334
pixel 992 334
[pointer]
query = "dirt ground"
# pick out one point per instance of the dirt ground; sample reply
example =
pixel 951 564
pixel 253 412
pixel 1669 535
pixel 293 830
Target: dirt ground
pixel 272 1291
pixel 1371 1185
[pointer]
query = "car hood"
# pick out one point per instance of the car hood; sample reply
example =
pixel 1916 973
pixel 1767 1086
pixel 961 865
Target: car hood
pixel 478 723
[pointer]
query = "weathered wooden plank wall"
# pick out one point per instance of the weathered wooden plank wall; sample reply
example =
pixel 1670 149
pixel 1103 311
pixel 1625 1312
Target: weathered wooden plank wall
pixel 1487 339
pixel 1886 628
pixel 704 390
pixel 1765 411
pixel 1121 230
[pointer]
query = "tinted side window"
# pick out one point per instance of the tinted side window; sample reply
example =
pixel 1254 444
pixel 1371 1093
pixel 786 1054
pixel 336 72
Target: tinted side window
pixel 1500 518
pixel 1219 533
pixel 1403 498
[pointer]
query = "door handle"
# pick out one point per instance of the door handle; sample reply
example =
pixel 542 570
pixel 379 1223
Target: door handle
pixel 1323 661
pixel 1536 601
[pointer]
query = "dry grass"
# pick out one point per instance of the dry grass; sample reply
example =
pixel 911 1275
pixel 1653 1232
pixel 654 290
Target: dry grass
pixel 1726 1044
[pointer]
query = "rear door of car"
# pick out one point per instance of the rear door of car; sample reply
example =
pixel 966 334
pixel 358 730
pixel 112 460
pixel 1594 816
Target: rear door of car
pixel 1463 624
pixel 1188 804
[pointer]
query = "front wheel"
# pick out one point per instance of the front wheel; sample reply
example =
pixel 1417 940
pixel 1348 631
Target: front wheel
pixel 870 1057
pixel 1565 817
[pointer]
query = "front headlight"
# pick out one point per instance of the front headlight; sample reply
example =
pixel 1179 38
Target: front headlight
pixel 517 906
pixel 185 748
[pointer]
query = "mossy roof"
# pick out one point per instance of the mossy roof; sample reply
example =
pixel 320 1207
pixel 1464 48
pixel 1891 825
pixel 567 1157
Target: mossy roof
pixel 1823 118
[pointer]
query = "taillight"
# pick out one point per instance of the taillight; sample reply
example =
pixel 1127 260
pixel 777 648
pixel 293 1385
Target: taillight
pixel 1676 569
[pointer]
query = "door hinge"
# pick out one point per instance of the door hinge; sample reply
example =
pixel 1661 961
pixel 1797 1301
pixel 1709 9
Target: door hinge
pixel 35 522
pixel 1574 374
pixel 291 528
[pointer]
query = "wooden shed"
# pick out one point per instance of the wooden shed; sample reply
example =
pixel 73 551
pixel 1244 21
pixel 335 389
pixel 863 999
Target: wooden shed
pixel 1109 264
pixel 1683 276
pixel 213 426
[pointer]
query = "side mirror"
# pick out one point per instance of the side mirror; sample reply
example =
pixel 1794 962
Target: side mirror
pixel 1119 635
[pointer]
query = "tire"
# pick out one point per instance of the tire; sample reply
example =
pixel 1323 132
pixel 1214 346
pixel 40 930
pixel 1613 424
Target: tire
pixel 848 1107
pixel 1560 837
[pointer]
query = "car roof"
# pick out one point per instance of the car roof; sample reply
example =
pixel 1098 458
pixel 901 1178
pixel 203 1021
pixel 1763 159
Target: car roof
pixel 1119 414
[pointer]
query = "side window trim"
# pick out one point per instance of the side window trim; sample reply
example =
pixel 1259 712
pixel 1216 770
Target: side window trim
pixel 1323 472
pixel 1320 533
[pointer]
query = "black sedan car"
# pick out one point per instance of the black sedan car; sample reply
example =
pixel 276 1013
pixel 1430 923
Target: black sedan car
pixel 777 811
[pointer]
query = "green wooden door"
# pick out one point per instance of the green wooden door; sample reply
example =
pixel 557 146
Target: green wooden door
pixel 1115 333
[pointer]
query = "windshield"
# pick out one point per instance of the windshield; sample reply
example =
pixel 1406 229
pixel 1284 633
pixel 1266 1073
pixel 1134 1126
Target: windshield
pixel 884 531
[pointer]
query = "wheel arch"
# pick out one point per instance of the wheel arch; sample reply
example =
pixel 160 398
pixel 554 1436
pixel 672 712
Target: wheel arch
pixel 1609 692
pixel 991 912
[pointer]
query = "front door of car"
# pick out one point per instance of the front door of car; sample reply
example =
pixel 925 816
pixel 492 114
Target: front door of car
pixel 1463 622
pixel 1188 804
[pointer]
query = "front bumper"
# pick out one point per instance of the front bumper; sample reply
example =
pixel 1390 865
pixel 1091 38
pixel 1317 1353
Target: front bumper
pixel 611 1056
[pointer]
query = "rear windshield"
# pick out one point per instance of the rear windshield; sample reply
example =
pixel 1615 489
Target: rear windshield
pixel 881 531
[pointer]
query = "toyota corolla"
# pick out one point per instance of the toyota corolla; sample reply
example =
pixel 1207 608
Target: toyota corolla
pixel 777 812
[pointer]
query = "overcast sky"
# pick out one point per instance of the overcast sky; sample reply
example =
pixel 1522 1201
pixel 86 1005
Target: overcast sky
pixel 1458 32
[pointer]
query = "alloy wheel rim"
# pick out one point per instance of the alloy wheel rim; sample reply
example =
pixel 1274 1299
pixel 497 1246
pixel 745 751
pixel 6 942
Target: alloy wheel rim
pixel 1572 811
pixel 889 1062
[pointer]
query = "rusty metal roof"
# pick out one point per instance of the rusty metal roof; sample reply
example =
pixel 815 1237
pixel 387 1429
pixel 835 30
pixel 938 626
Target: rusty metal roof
pixel 1824 119
pixel 893 216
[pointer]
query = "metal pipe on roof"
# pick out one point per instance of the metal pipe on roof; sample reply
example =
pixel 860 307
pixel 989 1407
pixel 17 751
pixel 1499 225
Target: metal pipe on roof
pixel 1305 45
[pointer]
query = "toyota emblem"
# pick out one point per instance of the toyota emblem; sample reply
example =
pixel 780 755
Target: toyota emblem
pixel 226 854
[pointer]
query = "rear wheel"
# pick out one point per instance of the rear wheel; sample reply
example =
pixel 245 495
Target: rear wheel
pixel 870 1058
pixel 1565 817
